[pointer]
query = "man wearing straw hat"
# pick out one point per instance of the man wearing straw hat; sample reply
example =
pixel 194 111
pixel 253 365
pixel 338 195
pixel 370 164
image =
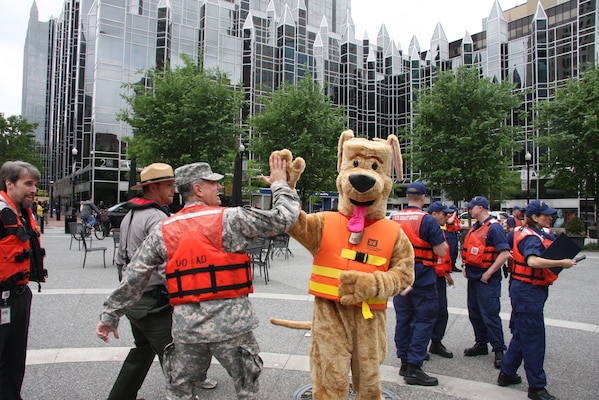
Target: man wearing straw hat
pixel 151 317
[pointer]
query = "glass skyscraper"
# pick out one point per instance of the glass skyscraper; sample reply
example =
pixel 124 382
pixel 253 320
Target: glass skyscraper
pixel 96 46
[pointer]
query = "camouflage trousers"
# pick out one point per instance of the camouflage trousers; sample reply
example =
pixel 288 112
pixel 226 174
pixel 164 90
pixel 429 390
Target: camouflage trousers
pixel 185 366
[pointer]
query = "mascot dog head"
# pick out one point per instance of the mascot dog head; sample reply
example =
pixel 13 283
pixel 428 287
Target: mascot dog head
pixel 364 180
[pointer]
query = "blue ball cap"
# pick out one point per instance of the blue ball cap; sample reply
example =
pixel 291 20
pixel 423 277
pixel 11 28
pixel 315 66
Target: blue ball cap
pixel 417 188
pixel 539 207
pixel 439 206
pixel 478 201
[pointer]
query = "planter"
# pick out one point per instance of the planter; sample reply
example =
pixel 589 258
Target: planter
pixel 579 240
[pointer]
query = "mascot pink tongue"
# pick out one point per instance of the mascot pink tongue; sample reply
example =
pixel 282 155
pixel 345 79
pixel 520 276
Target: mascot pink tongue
pixel 356 224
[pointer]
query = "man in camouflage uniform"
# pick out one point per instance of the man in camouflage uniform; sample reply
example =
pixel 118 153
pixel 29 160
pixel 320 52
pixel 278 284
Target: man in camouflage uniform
pixel 221 327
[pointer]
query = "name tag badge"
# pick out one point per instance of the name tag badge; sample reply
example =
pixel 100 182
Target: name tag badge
pixel 4 315
pixel 474 250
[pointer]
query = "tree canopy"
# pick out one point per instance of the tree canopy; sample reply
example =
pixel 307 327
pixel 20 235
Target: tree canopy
pixel 460 141
pixel 182 115
pixel 302 119
pixel 18 141
pixel 569 131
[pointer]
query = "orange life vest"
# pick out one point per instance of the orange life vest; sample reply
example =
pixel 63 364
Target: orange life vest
pixel 15 248
pixel 517 223
pixel 336 254
pixel 443 265
pixel 455 227
pixel 475 251
pixel 521 271
pixel 411 220
pixel 198 269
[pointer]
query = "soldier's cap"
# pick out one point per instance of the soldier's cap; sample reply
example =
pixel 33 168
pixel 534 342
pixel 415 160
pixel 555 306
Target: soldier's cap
pixel 539 207
pixel 154 173
pixel 191 173
pixel 478 201
pixel 416 188
pixel 517 208
pixel 439 206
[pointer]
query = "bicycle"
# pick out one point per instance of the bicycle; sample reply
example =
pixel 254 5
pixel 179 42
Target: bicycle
pixel 100 229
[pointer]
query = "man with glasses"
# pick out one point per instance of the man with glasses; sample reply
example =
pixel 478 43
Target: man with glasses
pixel 484 252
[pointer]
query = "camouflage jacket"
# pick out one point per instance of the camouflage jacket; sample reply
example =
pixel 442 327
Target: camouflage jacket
pixel 214 320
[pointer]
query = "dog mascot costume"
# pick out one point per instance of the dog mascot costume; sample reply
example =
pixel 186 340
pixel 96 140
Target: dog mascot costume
pixel 360 260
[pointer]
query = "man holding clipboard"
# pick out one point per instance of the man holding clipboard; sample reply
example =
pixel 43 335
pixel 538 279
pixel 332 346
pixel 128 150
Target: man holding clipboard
pixel 531 274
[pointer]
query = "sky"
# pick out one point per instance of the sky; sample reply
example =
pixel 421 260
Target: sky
pixel 402 18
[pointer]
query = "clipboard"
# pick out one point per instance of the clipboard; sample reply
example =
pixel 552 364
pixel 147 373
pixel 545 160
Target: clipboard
pixel 562 247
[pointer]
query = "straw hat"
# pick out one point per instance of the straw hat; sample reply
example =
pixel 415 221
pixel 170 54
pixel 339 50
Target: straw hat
pixel 154 173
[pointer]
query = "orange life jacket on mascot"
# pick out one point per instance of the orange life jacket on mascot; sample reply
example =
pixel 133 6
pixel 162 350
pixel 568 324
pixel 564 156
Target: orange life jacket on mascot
pixel 524 273
pixel 336 254
pixel 475 251
pixel 198 269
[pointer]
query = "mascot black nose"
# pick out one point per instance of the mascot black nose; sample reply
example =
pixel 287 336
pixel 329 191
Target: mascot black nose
pixel 361 182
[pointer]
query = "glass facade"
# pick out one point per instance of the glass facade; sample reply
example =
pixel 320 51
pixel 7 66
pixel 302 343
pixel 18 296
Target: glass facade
pixel 97 45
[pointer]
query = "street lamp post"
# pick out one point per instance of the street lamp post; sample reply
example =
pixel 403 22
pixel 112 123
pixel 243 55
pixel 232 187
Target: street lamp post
pixel 74 152
pixel 528 159
pixel 51 198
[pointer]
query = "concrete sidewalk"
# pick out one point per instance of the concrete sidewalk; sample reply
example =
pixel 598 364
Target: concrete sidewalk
pixel 67 361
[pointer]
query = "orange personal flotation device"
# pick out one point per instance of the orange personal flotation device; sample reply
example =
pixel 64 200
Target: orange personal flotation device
pixel 15 245
pixel 198 269
pixel 411 220
pixel 336 254
pixel 475 251
pixel 521 271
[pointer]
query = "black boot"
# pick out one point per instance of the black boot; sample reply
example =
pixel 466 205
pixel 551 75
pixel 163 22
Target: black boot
pixel 404 367
pixel 498 358
pixel 540 394
pixel 416 376
pixel 440 350
pixel 506 380
pixel 479 349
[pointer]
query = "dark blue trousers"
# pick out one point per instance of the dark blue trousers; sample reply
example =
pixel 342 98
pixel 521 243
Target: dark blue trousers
pixel 483 311
pixel 528 333
pixel 442 314
pixel 13 345
pixel 415 315
pixel 452 241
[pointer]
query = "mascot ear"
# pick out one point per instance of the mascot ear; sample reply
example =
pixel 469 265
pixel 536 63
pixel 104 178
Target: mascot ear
pixel 345 135
pixel 397 160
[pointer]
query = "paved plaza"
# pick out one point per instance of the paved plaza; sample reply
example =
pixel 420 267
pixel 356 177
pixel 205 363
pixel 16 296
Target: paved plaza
pixel 67 361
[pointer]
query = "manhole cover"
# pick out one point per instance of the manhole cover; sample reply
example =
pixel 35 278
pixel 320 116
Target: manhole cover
pixel 305 393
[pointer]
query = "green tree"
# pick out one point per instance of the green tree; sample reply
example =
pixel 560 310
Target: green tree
pixel 569 130
pixel 182 115
pixel 18 141
pixel 301 118
pixel 460 141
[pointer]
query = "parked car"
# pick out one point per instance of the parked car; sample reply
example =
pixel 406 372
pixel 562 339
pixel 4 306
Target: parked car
pixel 116 214
pixel 391 213
pixel 500 216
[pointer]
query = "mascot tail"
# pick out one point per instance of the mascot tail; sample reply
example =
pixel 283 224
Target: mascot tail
pixel 305 325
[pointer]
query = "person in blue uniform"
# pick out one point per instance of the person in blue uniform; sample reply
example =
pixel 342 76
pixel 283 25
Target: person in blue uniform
pixel 484 252
pixel 529 289
pixel 416 310
pixel 443 268
pixel 452 234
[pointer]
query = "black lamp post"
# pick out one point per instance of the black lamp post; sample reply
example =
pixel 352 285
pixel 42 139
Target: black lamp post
pixel 74 152
pixel 236 198
pixel 528 159
pixel 51 198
